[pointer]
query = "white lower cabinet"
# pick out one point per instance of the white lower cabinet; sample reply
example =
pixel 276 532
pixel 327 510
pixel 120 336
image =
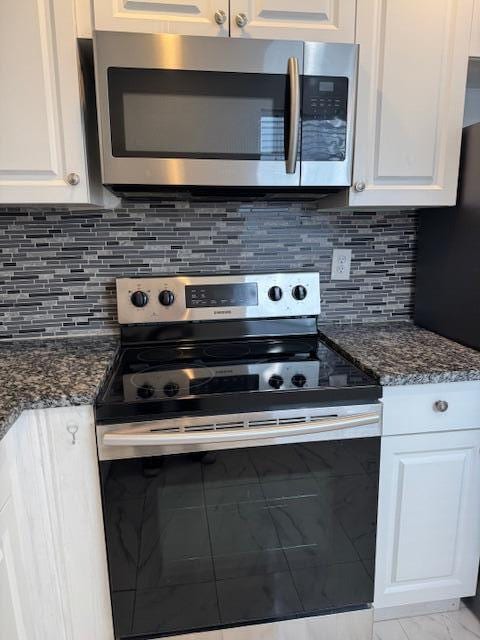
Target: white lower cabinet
pixel 13 612
pixel 59 546
pixel 428 536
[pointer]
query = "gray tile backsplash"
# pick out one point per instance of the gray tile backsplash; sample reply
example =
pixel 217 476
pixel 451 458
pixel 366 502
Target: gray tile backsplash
pixel 59 266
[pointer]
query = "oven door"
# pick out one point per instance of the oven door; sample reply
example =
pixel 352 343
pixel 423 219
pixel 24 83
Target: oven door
pixel 177 110
pixel 241 533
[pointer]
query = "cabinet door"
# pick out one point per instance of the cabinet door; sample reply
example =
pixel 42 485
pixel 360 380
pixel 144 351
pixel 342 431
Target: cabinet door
pixel 185 17
pixel 315 20
pixel 56 492
pixel 41 138
pixel 12 588
pixel 475 35
pixel 428 534
pixel 411 90
pixel 70 455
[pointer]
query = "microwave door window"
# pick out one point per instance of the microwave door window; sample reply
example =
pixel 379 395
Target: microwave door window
pixel 197 114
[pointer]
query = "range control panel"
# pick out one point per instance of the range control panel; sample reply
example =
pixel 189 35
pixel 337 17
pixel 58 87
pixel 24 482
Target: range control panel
pixel 189 298
pixel 178 383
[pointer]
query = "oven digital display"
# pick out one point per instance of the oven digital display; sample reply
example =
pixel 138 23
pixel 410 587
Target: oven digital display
pixel 224 384
pixel 221 295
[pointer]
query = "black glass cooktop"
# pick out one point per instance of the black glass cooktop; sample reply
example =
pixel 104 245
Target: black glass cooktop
pixel 229 376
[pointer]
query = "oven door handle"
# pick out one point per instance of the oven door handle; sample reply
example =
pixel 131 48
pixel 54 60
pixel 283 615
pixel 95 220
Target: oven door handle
pixel 154 433
pixel 293 134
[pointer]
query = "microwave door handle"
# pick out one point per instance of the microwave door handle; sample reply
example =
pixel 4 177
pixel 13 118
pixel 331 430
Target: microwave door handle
pixel 293 129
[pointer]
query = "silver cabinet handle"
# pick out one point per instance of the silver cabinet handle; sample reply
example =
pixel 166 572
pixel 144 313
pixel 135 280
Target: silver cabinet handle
pixel 241 19
pixel 220 16
pixel 72 179
pixel 150 434
pixel 440 405
pixel 292 151
pixel 359 186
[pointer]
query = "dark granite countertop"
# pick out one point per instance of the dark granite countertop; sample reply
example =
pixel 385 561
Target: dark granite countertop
pixel 37 374
pixel 402 353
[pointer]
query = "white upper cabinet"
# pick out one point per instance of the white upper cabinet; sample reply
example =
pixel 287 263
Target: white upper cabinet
pixel 428 518
pixel 316 20
pixel 184 17
pixel 42 147
pixel 411 90
pixel 320 20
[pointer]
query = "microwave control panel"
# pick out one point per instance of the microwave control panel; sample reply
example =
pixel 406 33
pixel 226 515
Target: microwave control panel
pixel 324 121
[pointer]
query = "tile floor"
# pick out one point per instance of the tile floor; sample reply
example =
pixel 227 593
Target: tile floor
pixel 454 625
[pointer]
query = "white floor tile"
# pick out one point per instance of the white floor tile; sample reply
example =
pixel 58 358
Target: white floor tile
pixel 388 630
pixel 355 625
pixel 458 625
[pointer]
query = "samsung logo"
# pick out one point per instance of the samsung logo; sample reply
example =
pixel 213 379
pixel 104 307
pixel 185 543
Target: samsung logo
pixel 216 313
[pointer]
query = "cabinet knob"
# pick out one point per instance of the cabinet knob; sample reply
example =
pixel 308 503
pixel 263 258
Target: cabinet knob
pixel 440 405
pixel 241 20
pixel 72 179
pixel 359 186
pixel 220 16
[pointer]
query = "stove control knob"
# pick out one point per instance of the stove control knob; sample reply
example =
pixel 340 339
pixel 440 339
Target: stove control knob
pixel 276 381
pixel 166 297
pixel 299 292
pixel 275 293
pixel 171 389
pixel 145 391
pixel 299 380
pixel 139 298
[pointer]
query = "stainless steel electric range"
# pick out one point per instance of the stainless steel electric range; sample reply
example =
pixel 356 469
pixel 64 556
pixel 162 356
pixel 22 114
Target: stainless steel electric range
pixel 239 458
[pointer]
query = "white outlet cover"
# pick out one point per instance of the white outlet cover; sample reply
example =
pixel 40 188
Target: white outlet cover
pixel 341 262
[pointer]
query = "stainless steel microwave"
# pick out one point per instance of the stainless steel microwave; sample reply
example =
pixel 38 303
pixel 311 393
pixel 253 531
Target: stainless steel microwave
pixel 188 111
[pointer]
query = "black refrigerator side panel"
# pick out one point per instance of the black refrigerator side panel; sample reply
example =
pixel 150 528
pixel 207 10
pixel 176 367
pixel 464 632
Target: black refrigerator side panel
pixel 447 297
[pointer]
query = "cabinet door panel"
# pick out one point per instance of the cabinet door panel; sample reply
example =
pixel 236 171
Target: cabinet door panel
pixel 428 520
pixel 40 110
pixel 475 35
pixel 12 624
pixel 315 20
pixel 185 17
pixel 411 90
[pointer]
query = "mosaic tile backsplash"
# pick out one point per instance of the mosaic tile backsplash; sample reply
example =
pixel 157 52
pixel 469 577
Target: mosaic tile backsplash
pixel 58 268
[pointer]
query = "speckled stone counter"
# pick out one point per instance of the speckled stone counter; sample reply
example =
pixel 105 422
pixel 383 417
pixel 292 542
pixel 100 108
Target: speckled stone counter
pixel 38 374
pixel 402 353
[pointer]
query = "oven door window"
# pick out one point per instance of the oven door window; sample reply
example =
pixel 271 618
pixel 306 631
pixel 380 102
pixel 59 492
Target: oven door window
pixel 158 113
pixel 211 540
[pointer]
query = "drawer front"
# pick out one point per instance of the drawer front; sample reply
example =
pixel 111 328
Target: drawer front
pixel 431 407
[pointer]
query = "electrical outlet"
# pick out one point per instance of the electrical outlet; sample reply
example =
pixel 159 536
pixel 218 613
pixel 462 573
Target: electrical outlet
pixel 341 261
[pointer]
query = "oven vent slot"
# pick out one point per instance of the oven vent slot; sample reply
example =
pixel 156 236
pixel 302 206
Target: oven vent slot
pixel 323 416
pixel 300 419
pixel 230 425
pixel 262 423
pixel 244 424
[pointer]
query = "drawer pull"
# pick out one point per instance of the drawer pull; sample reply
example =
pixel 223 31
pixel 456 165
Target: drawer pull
pixel 441 406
